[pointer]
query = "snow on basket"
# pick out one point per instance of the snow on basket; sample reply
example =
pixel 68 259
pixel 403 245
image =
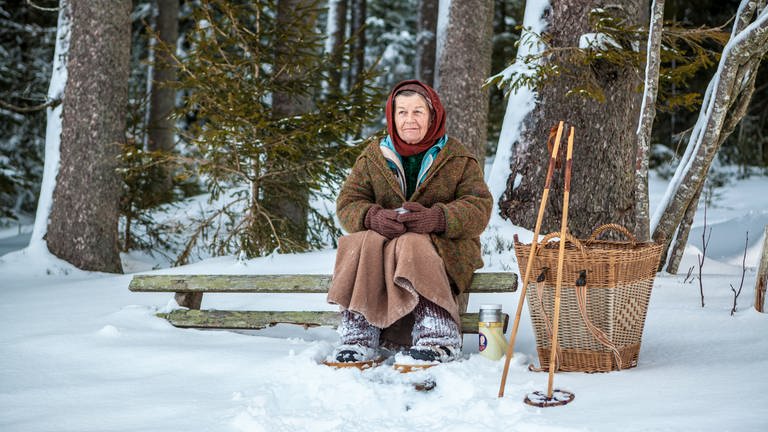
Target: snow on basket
pixel 605 292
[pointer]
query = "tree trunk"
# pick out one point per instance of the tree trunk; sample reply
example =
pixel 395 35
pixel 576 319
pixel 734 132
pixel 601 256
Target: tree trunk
pixel 162 97
pixel 724 105
pixel 357 29
pixel 464 65
pixel 647 114
pixel 732 119
pixel 289 204
pixel 337 29
pixel 85 212
pixel 761 282
pixel 683 232
pixel 604 153
pixel 426 41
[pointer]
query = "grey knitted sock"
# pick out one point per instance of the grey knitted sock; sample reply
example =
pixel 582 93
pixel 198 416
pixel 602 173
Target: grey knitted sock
pixel 434 326
pixel 356 330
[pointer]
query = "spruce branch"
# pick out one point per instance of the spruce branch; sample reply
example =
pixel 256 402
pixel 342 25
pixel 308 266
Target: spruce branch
pixel 43 8
pixel 53 103
pixel 684 52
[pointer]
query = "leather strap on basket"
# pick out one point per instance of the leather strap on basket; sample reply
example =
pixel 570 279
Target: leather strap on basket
pixel 540 292
pixel 540 302
pixel 581 299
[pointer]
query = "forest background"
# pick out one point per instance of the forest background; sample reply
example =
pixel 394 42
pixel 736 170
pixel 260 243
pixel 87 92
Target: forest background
pixel 332 63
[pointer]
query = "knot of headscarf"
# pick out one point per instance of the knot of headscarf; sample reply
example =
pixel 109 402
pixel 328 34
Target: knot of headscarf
pixel 437 115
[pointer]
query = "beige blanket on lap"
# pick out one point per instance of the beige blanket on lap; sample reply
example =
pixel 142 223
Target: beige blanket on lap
pixel 382 279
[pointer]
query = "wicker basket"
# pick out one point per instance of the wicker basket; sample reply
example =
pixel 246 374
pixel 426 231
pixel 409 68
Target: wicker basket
pixel 601 323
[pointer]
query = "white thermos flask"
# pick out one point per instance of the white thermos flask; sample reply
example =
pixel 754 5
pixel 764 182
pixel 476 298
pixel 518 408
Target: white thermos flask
pixel 493 344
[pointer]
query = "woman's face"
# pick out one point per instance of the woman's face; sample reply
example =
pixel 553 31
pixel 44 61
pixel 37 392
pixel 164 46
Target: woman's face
pixel 411 118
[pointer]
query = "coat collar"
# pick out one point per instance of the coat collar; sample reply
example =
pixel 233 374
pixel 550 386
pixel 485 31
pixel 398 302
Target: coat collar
pixel 452 149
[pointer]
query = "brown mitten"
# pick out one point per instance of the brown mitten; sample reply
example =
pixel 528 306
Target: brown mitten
pixel 422 220
pixel 384 222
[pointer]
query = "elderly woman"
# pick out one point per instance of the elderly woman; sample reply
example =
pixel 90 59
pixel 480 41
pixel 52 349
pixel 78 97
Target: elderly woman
pixel 415 205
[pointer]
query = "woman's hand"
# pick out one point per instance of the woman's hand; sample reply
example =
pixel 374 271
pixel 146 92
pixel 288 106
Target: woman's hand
pixel 384 222
pixel 422 220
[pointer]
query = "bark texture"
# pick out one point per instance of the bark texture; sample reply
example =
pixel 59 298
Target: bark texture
pixel 83 222
pixel 647 114
pixel 426 41
pixel 465 63
pixel 162 99
pixel 337 18
pixel 359 13
pixel 602 190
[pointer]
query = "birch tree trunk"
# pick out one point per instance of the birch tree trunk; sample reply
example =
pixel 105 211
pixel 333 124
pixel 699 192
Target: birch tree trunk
pixel 645 125
pixel 83 222
pixel 683 231
pixel 604 154
pixel 733 118
pixel 464 65
pixel 162 97
pixel 724 105
pixel 426 41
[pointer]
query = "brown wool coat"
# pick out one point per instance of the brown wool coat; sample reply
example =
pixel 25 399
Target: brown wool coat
pixel 454 183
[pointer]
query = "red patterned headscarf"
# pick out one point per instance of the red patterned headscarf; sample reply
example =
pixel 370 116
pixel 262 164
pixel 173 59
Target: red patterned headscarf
pixel 437 125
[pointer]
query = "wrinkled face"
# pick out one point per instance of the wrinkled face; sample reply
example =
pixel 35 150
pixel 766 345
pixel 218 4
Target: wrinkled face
pixel 411 118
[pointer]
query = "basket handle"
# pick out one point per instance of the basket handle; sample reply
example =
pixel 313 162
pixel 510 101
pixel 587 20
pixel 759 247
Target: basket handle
pixel 568 237
pixel 613 227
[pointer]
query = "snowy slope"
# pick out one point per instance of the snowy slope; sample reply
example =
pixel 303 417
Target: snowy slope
pixel 79 352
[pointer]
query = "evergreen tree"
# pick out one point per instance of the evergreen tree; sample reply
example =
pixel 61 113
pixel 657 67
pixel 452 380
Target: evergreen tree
pixel 244 149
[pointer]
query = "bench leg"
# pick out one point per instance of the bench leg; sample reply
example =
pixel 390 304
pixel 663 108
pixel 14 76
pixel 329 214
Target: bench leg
pixel 189 300
pixel 463 301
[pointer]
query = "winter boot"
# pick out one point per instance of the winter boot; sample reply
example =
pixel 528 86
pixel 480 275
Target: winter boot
pixel 434 353
pixel 354 354
pixel 435 334
pixel 359 339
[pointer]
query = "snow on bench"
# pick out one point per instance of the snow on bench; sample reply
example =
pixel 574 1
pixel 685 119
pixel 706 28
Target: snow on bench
pixel 189 291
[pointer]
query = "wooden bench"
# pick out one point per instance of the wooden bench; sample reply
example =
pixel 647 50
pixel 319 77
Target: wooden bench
pixel 189 291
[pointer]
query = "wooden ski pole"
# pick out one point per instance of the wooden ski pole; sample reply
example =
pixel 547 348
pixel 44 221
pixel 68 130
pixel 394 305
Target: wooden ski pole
pixel 560 257
pixel 531 255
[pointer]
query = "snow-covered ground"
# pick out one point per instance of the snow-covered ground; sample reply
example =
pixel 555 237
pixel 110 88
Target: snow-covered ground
pixel 79 352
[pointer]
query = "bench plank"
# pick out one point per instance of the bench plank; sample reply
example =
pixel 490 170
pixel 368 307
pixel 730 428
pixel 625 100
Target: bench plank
pixel 255 320
pixel 189 291
pixel 286 283
pixel 300 283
